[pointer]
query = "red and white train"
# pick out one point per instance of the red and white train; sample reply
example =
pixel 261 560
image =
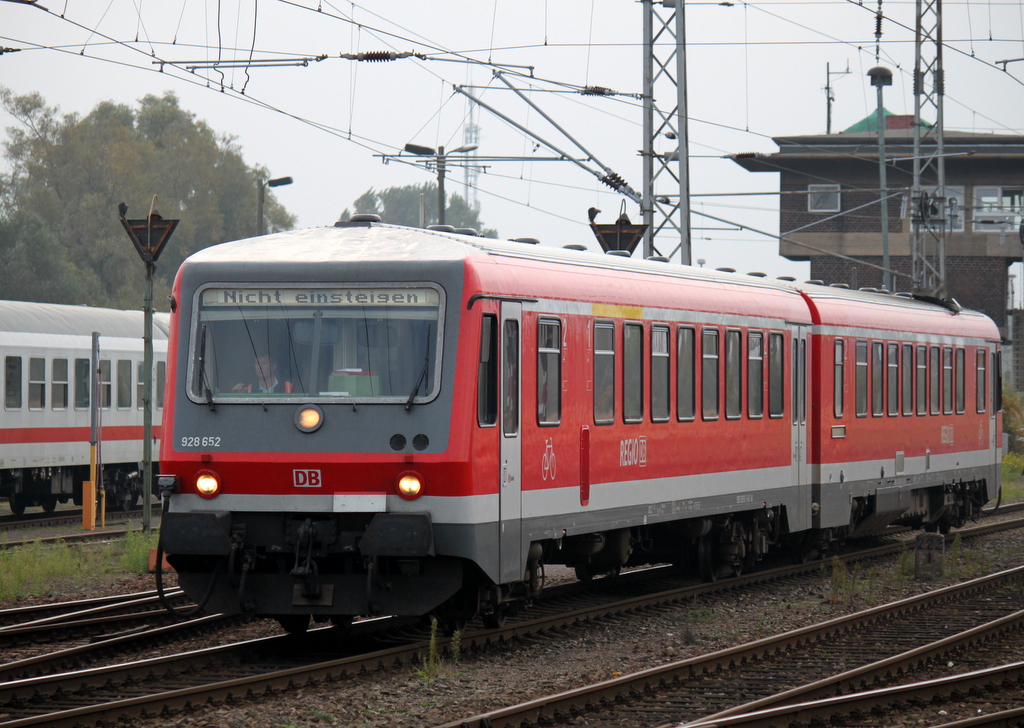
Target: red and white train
pixel 370 419
pixel 45 430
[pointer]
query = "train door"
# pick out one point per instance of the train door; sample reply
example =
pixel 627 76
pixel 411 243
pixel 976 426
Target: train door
pixel 800 386
pixel 510 497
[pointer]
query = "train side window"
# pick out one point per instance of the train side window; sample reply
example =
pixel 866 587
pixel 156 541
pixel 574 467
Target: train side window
pixel 755 375
pixel 510 378
pixel 877 369
pixel 685 350
pixel 947 380
pixel 776 376
pixel 893 379
pixel 838 379
pixel 59 384
pixel 661 369
pixel 997 381
pixel 709 374
pixel 633 373
pixel 82 382
pixel 604 373
pixel 802 391
pixel 982 382
pixel 733 374
pixel 124 383
pixel 934 377
pixel 922 380
pixel 861 375
pixel 12 382
pixel 796 380
pixel 36 382
pixel 549 372
pixel 959 373
pixel 908 379
pixel 161 383
pixel 487 373
pixel 140 386
pixel 105 384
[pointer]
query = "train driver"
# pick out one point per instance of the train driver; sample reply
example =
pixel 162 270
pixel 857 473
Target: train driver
pixel 266 381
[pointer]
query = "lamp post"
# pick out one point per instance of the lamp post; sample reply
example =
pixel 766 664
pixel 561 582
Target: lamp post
pixel 441 157
pixel 260 186
pixel 882 76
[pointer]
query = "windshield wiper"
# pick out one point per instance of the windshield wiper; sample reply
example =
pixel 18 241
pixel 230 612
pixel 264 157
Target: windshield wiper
pixel 202 371
pixel 423 373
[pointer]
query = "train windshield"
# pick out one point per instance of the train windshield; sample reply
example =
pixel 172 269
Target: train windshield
pixel 360 343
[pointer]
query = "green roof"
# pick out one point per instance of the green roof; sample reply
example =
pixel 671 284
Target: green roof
pixel 870 122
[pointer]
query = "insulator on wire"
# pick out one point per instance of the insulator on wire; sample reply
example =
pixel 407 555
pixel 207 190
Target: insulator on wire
pixel 613 180
pixel 597 91
pixel 377 56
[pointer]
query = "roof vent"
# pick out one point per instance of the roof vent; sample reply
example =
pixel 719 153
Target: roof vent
pixel 838 285
pixel 528 241
pixel 467 231
pixel 904 294
pixel 575 246
pixel 658 258
pixel 868 289
pixel 359 218
pixel 619 253
pixel 726 270
pixel 441 228
pixel 788 279
pixel 757 274
pixel 815 282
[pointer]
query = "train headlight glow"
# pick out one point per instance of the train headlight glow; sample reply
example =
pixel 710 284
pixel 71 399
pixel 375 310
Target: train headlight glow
pixel 208 484
pixel 410 486
pixel 309 418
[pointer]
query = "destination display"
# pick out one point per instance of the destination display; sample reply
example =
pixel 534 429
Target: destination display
pixel 320 297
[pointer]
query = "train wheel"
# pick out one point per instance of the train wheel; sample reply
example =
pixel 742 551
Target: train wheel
pixel 294 623
pixel 130 502
pixel 496 619
pixel 707 562
pixel 584 572
pixel 49 503
pixel 17 503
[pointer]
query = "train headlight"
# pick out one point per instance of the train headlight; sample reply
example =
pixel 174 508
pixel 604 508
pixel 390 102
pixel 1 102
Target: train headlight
pixel 410 486
pixel 309 418
pixel 208 484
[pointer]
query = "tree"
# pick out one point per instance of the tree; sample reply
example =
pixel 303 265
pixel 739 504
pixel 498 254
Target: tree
pixel 69 174
pixel 401 206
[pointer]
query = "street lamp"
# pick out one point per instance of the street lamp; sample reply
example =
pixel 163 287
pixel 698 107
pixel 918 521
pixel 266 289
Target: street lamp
pixel 441 156
pixel 260 185
pixel 882 76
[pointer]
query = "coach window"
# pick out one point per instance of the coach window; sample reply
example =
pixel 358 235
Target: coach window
pixel 982 382
pixel 776 376
pixel 36 383
pixel 908 379
pixel 947 380
pixel 124 383
pixel 709 374
pixel 12 382
pixel 140 387
pixel 934 376
pixel 549 372
pixel 633 373
pixel 861 375
pixel 604 373
pixel 959 372
pixel 733 374
pixel 105 384
pixel 161 383
pixel 997 381
pixel 685 349
pixel 922 380
pixel 660 374
pixel 82 382
pixel 59 384
pixel 892 370
pixel 487 373
pixel 510 378
pixel 877 369
pixel 838 379
pixel 755 375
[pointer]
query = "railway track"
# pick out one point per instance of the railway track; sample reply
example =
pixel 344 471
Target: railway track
pixel 65 518
pixel 169 684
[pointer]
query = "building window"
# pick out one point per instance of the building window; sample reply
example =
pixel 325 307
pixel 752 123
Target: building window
pixel 59 384
pixel 660 374
pixel 955 208
pixel 838 379
pixel 685 349
pixel 893 378
pixel 877 368
pixel 83 383
pixel 733 374
pixel 604 373
pixel 633 373
pixel 709 374
pixel 12 382
pixel 755 375
pixel 776 376
pixel 36 383
pixel 822 198
pixel 549 372
pixel 998 209
pixel 861 375
pixel 982 382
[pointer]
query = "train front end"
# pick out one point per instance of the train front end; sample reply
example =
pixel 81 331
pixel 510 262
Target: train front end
pixel 308 456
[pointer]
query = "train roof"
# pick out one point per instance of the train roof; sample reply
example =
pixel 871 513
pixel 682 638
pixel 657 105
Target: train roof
pixel 55 318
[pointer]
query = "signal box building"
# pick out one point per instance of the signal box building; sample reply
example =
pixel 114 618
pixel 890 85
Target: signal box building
pixel 829 201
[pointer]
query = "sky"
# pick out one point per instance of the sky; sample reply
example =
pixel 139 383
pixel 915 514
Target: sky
pixel 754 71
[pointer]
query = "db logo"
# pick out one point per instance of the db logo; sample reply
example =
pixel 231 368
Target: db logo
pixel 306 478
